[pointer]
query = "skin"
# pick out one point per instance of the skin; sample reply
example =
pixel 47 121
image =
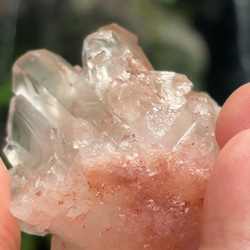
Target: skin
pixel 226 216
pixel 9 230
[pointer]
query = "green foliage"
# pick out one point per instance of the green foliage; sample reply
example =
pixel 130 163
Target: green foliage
pixel 31 242
pixel 5 95
pixel 168 1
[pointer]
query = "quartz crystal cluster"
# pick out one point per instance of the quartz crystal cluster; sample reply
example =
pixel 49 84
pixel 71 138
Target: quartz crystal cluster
pixel 111 155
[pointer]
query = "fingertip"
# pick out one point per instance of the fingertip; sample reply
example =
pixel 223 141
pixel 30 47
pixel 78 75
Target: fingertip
pixel 226 217
pixel 10 238
pixel 4 184
pixel 234 116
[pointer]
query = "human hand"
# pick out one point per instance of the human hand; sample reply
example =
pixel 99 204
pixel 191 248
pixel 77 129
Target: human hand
pixel 9 229
pixel 226 213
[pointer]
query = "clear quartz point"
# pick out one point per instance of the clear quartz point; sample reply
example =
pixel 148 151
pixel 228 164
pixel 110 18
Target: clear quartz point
pixel 113 155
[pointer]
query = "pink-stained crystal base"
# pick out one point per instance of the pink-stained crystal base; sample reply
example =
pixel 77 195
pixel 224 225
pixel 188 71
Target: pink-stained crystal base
pixel 112 155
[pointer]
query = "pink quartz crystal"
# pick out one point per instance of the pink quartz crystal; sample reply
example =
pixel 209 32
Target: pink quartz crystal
pixel 113 155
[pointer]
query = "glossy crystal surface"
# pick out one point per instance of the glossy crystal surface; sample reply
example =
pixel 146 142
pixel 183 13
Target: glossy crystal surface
pixel 111 155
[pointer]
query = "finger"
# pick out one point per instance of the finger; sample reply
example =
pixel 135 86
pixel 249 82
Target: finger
pixel 226 216
pixel 9 229
pixel 234 116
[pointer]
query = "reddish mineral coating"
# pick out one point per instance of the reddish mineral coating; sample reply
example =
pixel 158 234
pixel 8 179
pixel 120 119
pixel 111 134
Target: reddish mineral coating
pixel 140 206
pixel 112 156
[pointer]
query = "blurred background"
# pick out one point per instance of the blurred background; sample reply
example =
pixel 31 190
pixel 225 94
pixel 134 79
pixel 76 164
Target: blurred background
pixel 208 40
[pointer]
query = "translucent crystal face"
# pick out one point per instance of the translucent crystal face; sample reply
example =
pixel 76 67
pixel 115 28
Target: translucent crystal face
pixel 113 155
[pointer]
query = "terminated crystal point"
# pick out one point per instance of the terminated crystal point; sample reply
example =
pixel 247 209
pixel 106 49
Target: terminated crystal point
pixel 113 155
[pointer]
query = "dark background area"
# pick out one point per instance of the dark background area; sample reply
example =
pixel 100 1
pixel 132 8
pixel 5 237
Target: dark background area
pixel 208 40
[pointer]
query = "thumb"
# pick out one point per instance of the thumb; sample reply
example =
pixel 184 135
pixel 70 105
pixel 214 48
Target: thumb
pixel 9 229
pixel 226 213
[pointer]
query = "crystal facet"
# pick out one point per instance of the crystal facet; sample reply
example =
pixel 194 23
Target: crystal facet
pixel 113 155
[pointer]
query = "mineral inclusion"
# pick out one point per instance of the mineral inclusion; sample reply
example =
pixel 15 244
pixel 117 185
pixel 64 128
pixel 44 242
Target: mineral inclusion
pixel 113 155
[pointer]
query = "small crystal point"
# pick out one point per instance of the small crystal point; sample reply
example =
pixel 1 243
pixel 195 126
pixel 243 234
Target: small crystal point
pixel 113 155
